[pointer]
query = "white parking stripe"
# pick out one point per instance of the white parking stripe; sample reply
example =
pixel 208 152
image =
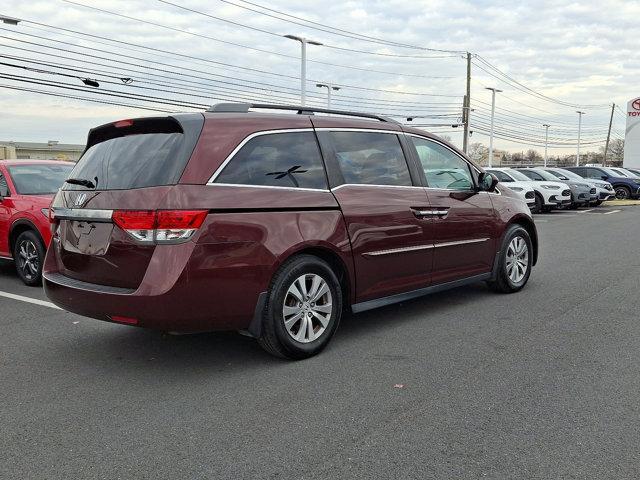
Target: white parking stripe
pixel 585 211
pixel 612 211
pixel 29 300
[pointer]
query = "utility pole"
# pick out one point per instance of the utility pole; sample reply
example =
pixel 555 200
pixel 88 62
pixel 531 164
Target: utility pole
pixel 606 145
pixel 466 109
pixel 329 87
pixel 303 64
pixel 546 143
pixel 579 132
pixel 493 114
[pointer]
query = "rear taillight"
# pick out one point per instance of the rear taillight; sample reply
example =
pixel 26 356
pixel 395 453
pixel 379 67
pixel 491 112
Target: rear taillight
pixel 159 226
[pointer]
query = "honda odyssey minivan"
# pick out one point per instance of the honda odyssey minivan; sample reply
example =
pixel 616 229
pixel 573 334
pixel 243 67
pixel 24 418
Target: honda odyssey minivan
pixel 275 223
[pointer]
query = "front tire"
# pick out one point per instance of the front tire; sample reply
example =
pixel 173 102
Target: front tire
pixel 303 309
pixel 28 255
pixel 514 265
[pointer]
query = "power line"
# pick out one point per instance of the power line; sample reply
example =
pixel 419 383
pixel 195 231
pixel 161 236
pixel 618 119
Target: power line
pixel 208 61
pixel 514 83
pixel 324 28
pixel 271 52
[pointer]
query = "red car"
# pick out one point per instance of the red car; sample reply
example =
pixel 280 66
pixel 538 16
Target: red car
pixel 26 190
pixel 273 223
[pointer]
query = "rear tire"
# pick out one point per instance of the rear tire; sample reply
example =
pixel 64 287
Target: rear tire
pixel 623 193
pixel 28 255
pixel 303 308
pixel 598 203
pixel 514 265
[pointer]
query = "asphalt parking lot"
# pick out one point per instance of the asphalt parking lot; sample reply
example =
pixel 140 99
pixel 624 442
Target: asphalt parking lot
pixel 462 384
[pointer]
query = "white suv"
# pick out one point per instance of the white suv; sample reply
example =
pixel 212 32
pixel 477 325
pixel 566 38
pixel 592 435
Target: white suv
pixel 548 194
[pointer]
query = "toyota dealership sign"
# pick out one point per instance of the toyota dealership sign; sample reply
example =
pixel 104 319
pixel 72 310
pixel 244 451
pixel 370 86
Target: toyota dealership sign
pixel 632 136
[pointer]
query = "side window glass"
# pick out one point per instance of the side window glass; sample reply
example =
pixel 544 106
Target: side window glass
pixel 593 173
pixel 371 158
pixel 532 175
pixel 4 188
pixel 501 176
pixel 290 159
pixel 442 167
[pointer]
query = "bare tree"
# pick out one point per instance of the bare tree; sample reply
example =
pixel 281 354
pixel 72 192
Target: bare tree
pixel 478 153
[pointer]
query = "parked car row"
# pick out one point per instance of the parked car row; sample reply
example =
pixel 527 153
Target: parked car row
pixel 552 187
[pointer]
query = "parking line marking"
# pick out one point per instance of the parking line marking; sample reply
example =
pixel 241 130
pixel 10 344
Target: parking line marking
pixel 585 211
pixel 613 211
pixel 35 301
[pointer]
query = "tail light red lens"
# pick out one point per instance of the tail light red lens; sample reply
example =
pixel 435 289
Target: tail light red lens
pixel 134 219
pixel 180 218
pixel 160 226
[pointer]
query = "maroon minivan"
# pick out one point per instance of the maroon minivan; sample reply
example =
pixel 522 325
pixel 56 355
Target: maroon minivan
pixel 273 223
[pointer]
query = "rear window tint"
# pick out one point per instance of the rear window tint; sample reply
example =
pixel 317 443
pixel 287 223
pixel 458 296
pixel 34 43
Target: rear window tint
pixel 132 161
pixel 277 160
pixel 371 158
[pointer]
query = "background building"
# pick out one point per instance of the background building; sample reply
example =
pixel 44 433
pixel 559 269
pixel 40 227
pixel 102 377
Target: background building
pixel 52 150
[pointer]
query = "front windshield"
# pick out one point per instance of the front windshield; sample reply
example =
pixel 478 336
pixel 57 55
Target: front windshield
pixel 611 172
pixel 620 172
pixel 39 179
pixel 521 177
pixel 567 174
pixel 628 173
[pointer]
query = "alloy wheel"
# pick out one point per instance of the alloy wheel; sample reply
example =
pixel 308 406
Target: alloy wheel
pixel 307 308
pixel 622 193
pixel 517 259
pixel 28 260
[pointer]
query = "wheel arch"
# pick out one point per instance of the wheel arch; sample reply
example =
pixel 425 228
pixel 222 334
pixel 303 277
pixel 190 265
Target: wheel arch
pixel 528 224
pixel 335 261
pixel 20 226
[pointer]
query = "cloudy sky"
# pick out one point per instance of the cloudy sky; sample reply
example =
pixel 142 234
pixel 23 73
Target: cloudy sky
pixel 550 58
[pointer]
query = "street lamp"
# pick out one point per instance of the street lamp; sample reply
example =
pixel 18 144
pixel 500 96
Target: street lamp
pixel 546 142
pixel 493 113
pixel 579 132
pixel 303 64
pixel 9 20
pixel 329 87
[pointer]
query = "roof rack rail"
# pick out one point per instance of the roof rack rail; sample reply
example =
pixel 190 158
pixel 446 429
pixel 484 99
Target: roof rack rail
pixel 245 107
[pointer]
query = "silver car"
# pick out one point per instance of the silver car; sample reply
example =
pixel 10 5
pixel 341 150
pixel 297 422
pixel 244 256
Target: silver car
pixel 580 190
pixel 601 190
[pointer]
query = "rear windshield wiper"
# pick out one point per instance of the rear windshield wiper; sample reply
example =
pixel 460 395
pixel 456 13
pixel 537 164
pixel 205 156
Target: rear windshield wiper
pixel 80 181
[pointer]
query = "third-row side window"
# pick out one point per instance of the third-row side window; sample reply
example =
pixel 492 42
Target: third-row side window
pixel 290 159
pixel 371 158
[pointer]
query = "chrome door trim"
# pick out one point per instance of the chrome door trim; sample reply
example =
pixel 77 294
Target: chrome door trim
pixel 86 214
pixel 373 185
pixel 268 186
pixel 244 142
pixel 461 242
pixel 398 250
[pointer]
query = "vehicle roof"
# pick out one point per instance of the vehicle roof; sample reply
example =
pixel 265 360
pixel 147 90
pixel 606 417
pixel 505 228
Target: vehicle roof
pixel 8 163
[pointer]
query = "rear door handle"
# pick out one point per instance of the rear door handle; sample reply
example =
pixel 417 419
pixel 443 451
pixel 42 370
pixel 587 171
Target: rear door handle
pixel 426 213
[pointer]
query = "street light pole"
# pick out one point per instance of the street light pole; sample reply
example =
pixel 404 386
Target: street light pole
pixel 579 133
pixel 493 113
pixel 329 87
pixel 303 64
pixel 546 143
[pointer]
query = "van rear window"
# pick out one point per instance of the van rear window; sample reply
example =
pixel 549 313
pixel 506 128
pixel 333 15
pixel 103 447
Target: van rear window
pixel 135 156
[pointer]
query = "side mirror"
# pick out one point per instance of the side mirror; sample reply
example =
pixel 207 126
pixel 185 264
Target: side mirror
pixel 487 182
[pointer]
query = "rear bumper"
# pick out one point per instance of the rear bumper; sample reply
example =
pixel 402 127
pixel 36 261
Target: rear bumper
pixel 173 296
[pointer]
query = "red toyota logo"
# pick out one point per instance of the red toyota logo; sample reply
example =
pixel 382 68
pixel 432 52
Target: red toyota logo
pixel 636 104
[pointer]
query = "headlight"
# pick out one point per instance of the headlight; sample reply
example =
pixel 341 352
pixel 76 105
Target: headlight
pixel 517 189
pixel 637 181
pixel 550 187
pixel 45 212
